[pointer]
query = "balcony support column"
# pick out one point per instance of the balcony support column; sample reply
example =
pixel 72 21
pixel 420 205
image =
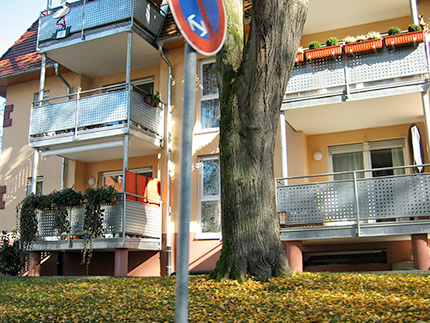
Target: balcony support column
pixel 128 63
pixel 294 255
pixel 121 263
pixel 124 170
pixel 34 264
pixel 420 250
pixel 284 153
pixel 426 108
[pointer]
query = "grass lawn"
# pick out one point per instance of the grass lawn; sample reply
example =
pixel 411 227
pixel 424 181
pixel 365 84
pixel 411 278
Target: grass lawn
pixel 304 297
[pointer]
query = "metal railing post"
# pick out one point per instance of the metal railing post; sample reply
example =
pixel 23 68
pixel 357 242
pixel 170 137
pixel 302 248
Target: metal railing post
pixel 357 207
pixel 78 96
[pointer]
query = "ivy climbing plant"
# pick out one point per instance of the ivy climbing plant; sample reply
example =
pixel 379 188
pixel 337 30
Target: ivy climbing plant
pixel 93 200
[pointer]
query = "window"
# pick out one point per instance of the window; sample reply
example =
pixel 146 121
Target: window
pixel 208 95
pixel 368 155
pixel 115 178
pixel 39 185
pixel 210 206
pixel 141 86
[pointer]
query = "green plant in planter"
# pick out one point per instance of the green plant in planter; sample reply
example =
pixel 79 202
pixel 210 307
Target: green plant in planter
pixel 332 41
pixel 27 218
pixel 413 27
pixel 314 45
pixel 394 31
pixel 93 200
pixel 61 202
pixel 153 99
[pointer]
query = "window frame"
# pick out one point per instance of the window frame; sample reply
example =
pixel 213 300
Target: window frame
pixel 121 173
pixel 207 97
pixel 209 198
pixel 365 148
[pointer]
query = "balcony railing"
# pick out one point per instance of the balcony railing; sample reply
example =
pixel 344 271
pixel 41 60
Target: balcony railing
pixel 89 15
pixel 141 221
pixel 379 206
pixel 358 76
pixel 87 114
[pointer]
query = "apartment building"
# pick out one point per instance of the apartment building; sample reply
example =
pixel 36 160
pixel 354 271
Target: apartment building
pixel 77 117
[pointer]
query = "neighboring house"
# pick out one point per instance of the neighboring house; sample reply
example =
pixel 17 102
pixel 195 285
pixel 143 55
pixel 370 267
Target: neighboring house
pixel 85 123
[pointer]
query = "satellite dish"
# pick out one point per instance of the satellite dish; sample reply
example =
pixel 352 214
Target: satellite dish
pixel 63 11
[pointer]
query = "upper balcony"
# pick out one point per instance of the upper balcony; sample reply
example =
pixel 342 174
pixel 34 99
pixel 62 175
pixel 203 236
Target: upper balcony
pixel 346 89
pixel 75 125
pixel 94 28
pixel 356 207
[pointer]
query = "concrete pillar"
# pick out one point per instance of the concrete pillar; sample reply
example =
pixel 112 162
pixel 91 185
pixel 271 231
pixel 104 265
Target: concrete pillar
pixel 294 255
pixel 420 250
pixel 34 264
pixel 121 263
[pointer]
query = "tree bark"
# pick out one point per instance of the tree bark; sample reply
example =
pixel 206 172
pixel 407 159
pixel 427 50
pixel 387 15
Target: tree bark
pixel 252 78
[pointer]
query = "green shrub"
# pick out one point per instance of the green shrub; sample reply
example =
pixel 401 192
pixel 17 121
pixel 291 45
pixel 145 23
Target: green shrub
pixel 12 257
pixel 332 41
pixel 314 45
pixel 394 31
pixel 413 27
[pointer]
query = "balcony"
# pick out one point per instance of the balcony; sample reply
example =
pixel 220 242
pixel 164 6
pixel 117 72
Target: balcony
pixel 91 27
pixel 126 224
pixel 96 117
pixel 367 207
pixel 359 91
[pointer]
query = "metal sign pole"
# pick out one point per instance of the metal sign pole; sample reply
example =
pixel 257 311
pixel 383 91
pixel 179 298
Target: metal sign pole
pixel 185 186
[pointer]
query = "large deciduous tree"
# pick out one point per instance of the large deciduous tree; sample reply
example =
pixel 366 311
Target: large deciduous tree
pixel 253 73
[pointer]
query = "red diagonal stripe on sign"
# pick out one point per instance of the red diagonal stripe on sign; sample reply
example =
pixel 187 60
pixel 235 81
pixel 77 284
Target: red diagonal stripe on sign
pixel 205 17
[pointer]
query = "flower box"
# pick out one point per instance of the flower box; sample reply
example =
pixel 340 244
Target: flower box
pixel 404 39
pixel 363 46
pixel 300 57
pixel 323 52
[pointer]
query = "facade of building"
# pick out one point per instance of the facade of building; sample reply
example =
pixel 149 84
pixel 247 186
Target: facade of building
pixel 77 117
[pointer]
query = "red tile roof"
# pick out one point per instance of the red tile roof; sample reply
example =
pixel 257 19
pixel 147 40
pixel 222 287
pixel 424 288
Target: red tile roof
pixel 22 56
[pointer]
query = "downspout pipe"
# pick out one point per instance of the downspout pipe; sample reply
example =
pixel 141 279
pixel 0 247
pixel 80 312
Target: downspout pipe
pixel 64 160
pixel 169 162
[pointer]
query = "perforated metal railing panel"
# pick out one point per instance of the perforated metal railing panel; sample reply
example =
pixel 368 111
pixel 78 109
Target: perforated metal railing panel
pixel 103 108
pixel 150 118
pixel 394 197
pixel 93 110
pixel 143 219
pixel 318 74
pixel 97 13
pixel 385 65
pixel 388 64
pixel 53 117
pixel 148 16
pixel 317 203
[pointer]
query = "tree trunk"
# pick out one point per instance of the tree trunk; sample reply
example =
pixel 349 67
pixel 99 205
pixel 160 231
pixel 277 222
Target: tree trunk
pixel 252 78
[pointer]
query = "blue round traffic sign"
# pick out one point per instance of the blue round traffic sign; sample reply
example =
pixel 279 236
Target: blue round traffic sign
pixel 203 23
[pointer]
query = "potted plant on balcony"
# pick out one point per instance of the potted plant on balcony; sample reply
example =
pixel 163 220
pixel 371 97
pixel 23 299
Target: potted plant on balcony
pixel 395 36
pixel 364 43
pixel 316 51
pixel 153 99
